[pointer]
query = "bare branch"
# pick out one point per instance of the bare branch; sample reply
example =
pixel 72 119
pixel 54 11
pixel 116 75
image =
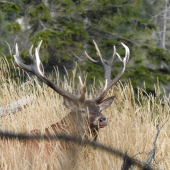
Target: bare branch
pixel 153 1
pixel 120 37
pixel 42 24
pixel 74 139
pixel 75 55
pixel 127 162
pixel 151 154
pixel 16 106
pixel 17 34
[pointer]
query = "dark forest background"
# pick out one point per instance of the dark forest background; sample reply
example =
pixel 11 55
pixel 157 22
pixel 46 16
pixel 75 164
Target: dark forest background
pixel 68 28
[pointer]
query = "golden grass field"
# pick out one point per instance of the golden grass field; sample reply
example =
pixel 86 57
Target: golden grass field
pixel 132 121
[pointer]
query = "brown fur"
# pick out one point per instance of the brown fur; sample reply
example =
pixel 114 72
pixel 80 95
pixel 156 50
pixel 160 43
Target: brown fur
pixel 79 122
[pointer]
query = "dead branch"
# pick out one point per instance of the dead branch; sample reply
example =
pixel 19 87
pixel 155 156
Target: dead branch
pixel 151 154
pixel 127 162
pixel 16 106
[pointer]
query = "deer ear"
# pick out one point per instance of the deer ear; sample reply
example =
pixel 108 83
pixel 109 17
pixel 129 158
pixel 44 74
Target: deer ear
pixel 106 103
pixel 69 104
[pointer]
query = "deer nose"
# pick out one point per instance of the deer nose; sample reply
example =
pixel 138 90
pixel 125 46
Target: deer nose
pixel 102 119
pixel 102 122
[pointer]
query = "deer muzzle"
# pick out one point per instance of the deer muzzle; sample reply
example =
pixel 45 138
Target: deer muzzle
pixel 102 122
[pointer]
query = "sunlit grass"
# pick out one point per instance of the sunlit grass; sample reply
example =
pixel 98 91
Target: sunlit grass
pixel 132 120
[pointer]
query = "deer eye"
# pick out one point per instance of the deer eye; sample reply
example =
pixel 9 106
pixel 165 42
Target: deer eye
pixel 83 111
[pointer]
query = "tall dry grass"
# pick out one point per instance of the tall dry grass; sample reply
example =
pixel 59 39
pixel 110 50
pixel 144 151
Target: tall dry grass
pixel 132 120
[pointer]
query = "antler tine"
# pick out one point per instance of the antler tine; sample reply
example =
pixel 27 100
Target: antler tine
pixel 108 66
pixel 114 54
pixel 94 61
pixel 39 45
pixel 18 60
pixel 82 97
pixel 101 95
pixel 38 63
pixel 102 61
pixel 30 53
pixel 124 63
pixel 35 68
pixel 99 62
pixel 98 52
pixel 127 54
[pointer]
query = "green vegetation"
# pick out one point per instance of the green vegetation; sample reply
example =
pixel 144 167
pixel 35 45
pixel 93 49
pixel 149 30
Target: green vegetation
pixel 68 28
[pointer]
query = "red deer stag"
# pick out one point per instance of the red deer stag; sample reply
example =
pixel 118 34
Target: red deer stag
pixel 81 109
pixel 85 118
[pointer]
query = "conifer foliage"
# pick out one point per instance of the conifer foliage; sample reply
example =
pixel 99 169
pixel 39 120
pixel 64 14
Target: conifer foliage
pixel 68 27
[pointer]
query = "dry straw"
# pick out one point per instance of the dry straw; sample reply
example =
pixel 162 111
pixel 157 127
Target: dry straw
pixel 132 121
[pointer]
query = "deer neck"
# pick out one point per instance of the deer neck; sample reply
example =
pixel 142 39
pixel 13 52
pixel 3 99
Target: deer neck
pixel 73 124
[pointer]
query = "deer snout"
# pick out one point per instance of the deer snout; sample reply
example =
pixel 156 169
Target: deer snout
pixel 102 121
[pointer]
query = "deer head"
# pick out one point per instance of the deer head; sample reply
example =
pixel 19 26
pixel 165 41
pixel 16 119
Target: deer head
pixel 84 109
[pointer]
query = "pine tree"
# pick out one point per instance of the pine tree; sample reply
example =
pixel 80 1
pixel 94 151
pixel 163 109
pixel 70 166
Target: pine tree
pixel 68 28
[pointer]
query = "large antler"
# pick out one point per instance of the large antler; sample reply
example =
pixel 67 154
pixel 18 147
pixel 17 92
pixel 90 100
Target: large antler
pixel 108 67
pixel 35 68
